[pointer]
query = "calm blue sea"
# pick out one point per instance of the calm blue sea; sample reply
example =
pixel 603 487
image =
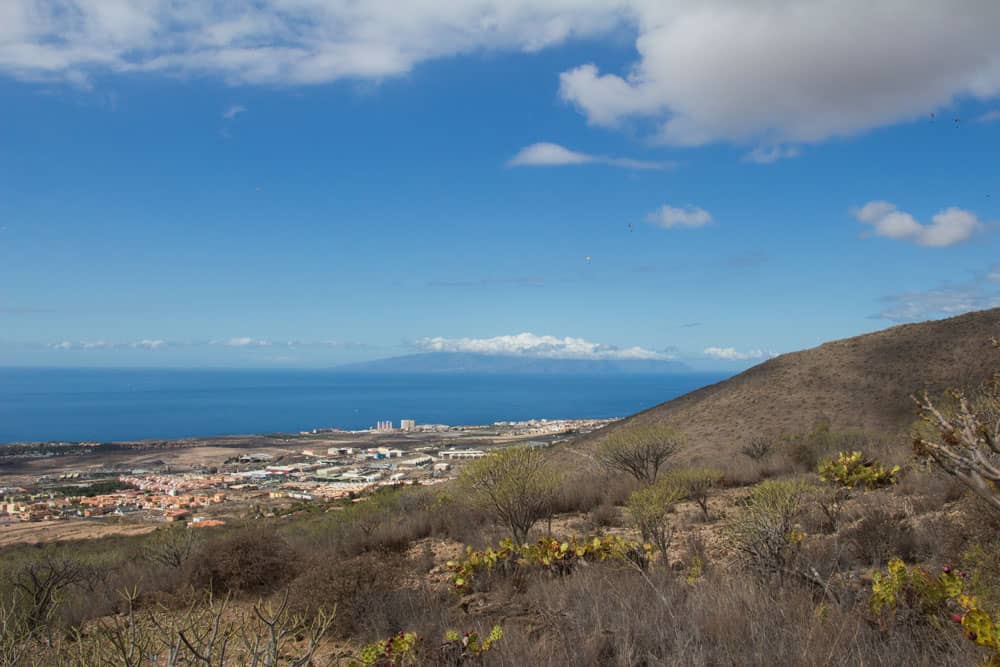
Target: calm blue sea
pixel 127 404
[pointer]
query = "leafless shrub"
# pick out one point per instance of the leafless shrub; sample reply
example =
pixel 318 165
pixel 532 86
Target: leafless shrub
pixel 208 634
pixel 965 441
pixel 614 618
pixel 605 515
pixel 247 561
pixel 171 547
pixel 757 448
pixel 878 534
pixel 41 584
pixel 639 450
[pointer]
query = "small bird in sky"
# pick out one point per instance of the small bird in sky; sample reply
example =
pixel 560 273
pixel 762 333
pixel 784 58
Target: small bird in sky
pixel 630 226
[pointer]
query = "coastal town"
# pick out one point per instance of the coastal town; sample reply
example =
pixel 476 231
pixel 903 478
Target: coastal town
pixel 203 482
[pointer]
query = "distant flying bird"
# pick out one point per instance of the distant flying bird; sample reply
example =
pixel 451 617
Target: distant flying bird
pixel 630 226
pixel 588 259
pixel 932 116
pixel 957 121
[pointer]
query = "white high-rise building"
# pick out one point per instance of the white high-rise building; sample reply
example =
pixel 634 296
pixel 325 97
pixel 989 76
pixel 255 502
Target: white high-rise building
pixel 407 424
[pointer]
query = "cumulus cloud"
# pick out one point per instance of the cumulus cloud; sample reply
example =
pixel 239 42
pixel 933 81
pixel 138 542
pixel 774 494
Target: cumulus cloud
pixel 754 71
pixel 545 154
pixel 532 345
pixel 669 217
pixel 791 72
pixel 278 41
pixel 947 227
pixel 233 111
pixel 732 354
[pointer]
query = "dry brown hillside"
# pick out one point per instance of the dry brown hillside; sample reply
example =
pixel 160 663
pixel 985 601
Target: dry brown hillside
pixel 856 383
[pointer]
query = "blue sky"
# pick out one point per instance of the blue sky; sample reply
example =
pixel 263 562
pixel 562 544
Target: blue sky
pixel 298 185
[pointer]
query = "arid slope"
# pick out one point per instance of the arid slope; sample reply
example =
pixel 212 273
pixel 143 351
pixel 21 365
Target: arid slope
pixel 862 382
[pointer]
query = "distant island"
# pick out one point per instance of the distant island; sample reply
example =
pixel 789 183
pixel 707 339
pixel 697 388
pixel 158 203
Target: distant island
pixel 467 362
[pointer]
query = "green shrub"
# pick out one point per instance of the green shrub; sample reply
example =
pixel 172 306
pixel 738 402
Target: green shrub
pixel 853 469
pixel 650 509
pixel 764 534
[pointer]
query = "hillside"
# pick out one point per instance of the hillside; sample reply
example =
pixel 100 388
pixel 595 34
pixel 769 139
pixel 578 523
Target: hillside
pixel 862 382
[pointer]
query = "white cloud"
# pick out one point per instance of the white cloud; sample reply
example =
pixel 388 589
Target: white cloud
pixel 669 216
pixel 947 227
pixel 233 111
pixel 990 116
pixel 105 345
pixel 532 345
pixel 244 341
pixel 768 155
pixel 784 71
pixel 279 41
pixel 149 344
pixel 750 71
pixel 732 354
pixel 545 154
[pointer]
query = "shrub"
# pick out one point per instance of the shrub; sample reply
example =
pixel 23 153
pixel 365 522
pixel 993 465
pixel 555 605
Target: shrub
pixel 904 588
pixel 547 555
pixel 249 560
pixel 515 485
pixel 650 509
pixel 171 547
pixel 853 469
pixel 965 441
pixel 639 450
pixel 757 449
pixel 604 516
pixel 764 535
pixel 408 648
pixel 696 483
pixel 880 534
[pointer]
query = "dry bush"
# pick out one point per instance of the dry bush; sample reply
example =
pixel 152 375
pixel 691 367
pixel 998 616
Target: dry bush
pixel 613 617
pixel 963 438
pixel 249 560
pixel 357 586
pixel 930 490
pixel 639 450
pixel 696 484
pixel 757 448
pixel 878 534
pixel 605 515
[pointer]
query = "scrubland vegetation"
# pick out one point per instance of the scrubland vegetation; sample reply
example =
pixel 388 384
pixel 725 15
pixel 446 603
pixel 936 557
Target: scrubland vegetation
pixel 817 548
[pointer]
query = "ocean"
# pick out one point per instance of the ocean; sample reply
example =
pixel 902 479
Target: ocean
pixel 44 404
